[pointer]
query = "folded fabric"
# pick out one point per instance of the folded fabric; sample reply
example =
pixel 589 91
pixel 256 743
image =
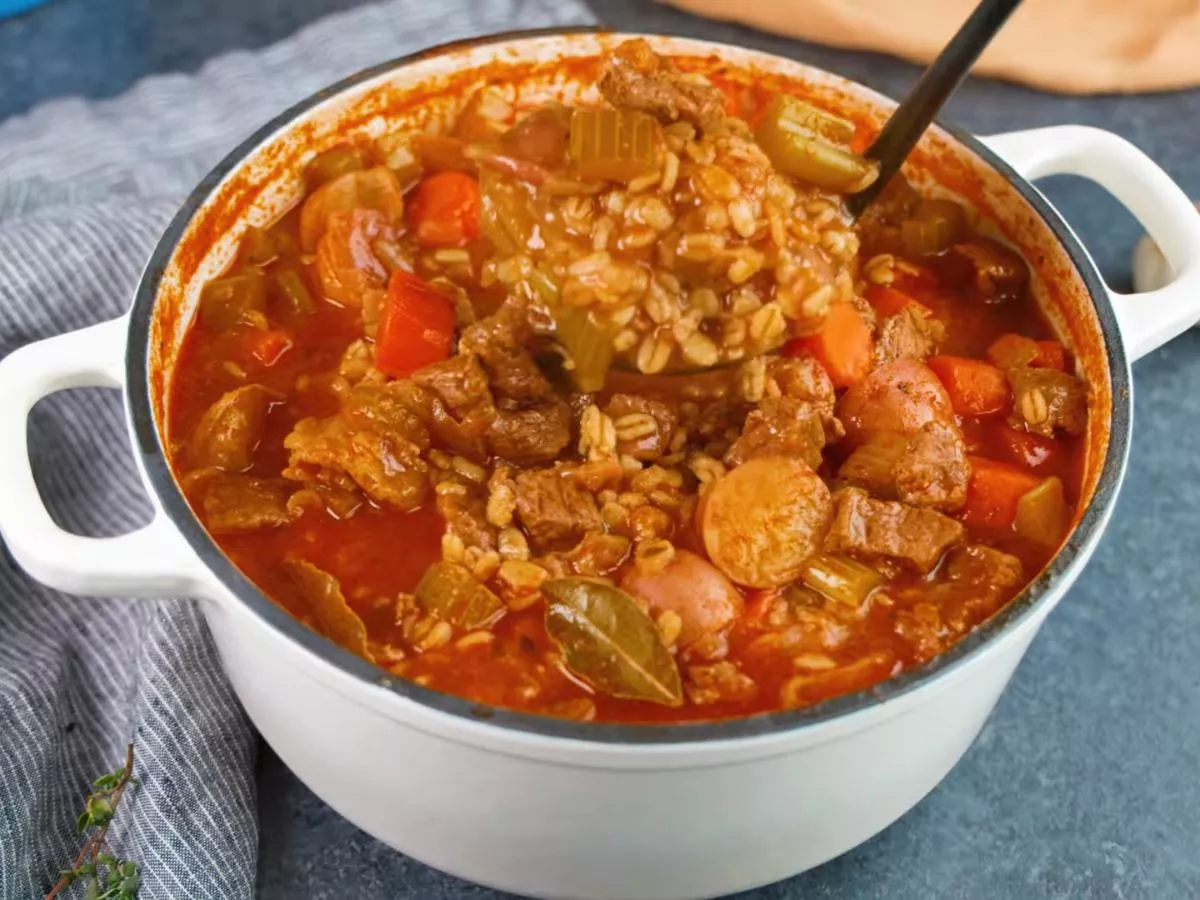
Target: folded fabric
pixel 1070 46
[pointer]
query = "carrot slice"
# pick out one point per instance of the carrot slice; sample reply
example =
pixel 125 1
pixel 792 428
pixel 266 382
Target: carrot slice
pixel 843 345
pixel 887 301
pixel 1051 355
pixel 975 387
pixel 444 211
pixel 416 326
pixel 994 491
pixel 1032 451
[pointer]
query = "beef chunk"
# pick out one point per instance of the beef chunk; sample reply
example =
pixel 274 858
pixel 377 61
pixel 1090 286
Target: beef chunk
pixel 461 383
pixel 933 470
pixel 555 512
pixel 780 427
pixel 531 436
pixel 1046 400
pixel 229 431
pixel 997 271
pixel 235 503
pixel 891 530
pixel 909 334
pixel 389 408
pixel 379 459
pixel 637 78
pixel 928 469
pixel 644 427
pixel 497 341
pixel 463 436
pixel 465 515
pixel 982 566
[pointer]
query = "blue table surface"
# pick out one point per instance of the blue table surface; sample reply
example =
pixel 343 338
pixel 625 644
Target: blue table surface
pixel 1085 783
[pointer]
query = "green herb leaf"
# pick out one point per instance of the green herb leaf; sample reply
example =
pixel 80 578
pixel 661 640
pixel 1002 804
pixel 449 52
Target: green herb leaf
pixel 106 782
pixel 610 642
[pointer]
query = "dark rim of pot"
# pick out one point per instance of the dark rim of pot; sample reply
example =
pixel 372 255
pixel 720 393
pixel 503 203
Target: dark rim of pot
pixel 1025 605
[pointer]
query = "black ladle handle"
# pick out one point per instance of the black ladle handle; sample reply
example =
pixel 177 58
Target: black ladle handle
pixel 902 131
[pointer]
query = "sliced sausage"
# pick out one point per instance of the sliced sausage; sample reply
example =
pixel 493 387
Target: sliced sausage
pixel 761 521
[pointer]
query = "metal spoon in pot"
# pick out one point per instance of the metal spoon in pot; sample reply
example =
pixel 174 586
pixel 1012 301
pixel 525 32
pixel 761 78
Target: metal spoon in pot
pixel 922 104
pixel 910 119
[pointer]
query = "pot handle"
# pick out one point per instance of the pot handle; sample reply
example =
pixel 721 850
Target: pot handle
pixel 150 562
pixel 1150 319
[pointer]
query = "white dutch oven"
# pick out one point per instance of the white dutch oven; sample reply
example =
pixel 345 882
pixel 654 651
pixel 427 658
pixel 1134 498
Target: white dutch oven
pixel 553 808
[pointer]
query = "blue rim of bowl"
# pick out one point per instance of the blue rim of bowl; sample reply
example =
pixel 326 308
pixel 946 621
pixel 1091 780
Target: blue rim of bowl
pixel 1039 592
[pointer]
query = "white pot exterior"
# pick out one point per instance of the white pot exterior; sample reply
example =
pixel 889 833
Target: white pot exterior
pixel 664 824
pixel 555 815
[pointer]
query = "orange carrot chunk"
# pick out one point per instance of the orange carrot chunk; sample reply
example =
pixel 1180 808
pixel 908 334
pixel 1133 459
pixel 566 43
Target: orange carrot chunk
pixel 843 345
pixel 444 210
pixel 975 388
pixel 993 492
pixel 887 301
pixel 416 326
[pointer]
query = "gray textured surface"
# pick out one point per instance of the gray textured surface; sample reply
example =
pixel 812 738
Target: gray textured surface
pixel 1086 781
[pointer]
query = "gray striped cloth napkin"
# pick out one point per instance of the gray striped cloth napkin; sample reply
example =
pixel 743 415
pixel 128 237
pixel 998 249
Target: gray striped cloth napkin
pixel 85 190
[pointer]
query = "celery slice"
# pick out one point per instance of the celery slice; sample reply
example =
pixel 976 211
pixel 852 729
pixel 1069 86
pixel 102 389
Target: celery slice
pixel 614 144
pixel 840 578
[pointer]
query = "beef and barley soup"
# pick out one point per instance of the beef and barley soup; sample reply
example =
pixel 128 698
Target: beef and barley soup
pixel 610 412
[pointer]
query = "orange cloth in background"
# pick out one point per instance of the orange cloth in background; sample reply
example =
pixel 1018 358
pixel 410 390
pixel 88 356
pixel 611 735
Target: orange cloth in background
pixel 1070 46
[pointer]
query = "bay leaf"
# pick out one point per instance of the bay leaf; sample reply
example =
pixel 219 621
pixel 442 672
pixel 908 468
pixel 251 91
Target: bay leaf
pixel 335 619
pixel 451 591
pixel 610 642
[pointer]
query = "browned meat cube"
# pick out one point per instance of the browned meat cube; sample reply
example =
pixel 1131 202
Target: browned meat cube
pixel 909 334
pixel 461 383
pixel 229 431
pixel 530 436
pixel 385 465
pixel 891 530
pixel 389 409
pixel 982 566
pixel 554 511
pixel 497 341
pixel 465 515
pixel 780 427
pixel 235 504
pixel 1046 400
pixel 637 78
pixel 644 427
pixel 933 470
pixel 997 271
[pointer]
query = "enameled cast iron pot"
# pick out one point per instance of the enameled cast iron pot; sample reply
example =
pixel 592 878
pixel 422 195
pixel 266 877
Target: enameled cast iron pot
pixel 554 808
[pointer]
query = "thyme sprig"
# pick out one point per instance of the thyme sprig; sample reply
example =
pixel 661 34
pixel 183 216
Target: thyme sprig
pixel 106 876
